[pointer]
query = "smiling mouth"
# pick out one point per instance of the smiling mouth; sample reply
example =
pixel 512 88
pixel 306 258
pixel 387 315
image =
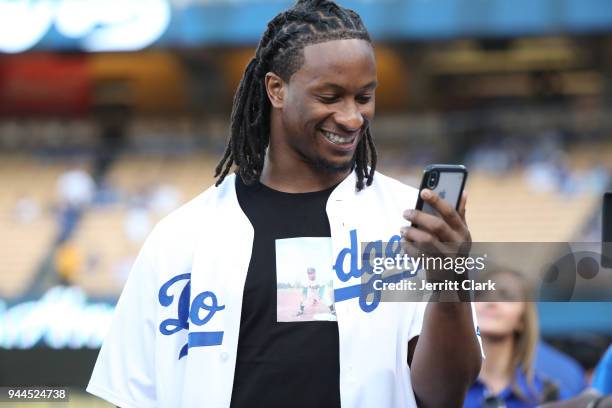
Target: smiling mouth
pixel 338 139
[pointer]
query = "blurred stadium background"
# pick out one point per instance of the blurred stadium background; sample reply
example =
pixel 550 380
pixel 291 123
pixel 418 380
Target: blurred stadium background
pixel 113 113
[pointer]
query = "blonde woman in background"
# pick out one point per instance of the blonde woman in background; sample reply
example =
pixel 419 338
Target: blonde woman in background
pixel 509 329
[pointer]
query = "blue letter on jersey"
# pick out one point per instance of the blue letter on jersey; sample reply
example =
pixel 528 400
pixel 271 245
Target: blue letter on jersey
pixel 372 250
pixel 186 313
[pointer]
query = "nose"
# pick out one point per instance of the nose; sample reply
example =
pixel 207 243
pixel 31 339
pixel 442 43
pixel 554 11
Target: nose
pixel 487 305
pixel 349 117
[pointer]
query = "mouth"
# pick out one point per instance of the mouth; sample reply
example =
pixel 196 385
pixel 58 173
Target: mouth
pixel 489 315
pixel 340 140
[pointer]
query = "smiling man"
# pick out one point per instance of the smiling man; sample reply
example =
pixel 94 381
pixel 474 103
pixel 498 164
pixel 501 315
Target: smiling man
pixel 196 324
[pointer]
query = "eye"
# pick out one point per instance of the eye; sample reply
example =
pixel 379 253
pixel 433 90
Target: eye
pixel 363 99
pixel 329 99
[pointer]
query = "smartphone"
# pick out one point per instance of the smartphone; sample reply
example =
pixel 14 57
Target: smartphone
pixel 447 180
pixel 606 231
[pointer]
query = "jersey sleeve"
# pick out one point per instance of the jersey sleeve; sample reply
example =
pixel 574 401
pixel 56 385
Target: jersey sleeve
pixel 124 373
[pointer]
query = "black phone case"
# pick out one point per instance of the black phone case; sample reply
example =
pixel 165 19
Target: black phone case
pixel 606 231
pixel 441 168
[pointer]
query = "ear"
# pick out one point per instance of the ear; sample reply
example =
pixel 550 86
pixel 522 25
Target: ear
pixel 275 88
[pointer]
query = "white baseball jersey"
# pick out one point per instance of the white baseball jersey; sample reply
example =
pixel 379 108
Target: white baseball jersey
pixel 174 337
pixel 307 282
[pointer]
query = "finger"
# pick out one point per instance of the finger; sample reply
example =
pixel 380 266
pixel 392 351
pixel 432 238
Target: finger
pixel 462 206
pixel 433 225
pixel 423 243
pixel 408 246
pixel 446 211
pixel 422 240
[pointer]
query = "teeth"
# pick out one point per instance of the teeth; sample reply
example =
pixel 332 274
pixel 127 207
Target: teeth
pixel 337 139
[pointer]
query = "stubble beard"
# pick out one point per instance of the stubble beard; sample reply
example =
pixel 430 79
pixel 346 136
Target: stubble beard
pixel 331 167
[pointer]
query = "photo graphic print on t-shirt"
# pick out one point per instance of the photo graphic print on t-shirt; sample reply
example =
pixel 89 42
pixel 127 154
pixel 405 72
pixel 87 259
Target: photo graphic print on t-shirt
pixel 304 280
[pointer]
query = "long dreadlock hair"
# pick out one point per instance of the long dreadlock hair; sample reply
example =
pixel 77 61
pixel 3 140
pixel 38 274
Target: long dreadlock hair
pixel 280 50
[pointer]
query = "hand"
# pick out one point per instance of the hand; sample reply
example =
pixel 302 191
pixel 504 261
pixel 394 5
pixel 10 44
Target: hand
pixel 447 235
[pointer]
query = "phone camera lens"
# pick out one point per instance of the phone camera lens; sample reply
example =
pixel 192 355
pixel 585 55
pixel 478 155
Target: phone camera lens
pixel 433 180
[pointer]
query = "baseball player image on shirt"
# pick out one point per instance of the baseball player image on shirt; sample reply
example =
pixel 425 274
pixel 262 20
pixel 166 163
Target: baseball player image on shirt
pixel 196 323
pixel 304 278
pixel 315 292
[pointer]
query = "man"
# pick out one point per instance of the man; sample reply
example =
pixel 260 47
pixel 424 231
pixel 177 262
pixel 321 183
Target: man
pixel 314 291
pixel 196 323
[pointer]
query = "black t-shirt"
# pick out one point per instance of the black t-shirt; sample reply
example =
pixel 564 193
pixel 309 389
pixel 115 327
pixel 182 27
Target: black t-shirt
pixel 280 363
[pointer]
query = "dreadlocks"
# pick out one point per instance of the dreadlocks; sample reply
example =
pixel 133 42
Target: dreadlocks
pixel 280 50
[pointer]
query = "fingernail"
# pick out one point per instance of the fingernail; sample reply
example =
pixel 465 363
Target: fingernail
pixel 408 214
pixel 426 193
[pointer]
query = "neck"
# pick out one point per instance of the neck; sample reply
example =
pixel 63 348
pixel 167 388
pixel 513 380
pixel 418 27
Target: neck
pixel 494 372
pixel 294 175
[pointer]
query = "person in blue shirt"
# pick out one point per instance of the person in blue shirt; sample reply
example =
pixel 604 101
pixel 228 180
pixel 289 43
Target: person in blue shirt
pixel 600 393
pixel 602 378
pixel 509 331
pixel 560 368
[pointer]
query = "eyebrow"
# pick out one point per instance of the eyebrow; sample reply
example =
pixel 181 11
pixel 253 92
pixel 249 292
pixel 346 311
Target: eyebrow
pixel 337 87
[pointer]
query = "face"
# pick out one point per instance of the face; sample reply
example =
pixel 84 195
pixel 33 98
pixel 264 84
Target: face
pixel 501 319
pixel 326 105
